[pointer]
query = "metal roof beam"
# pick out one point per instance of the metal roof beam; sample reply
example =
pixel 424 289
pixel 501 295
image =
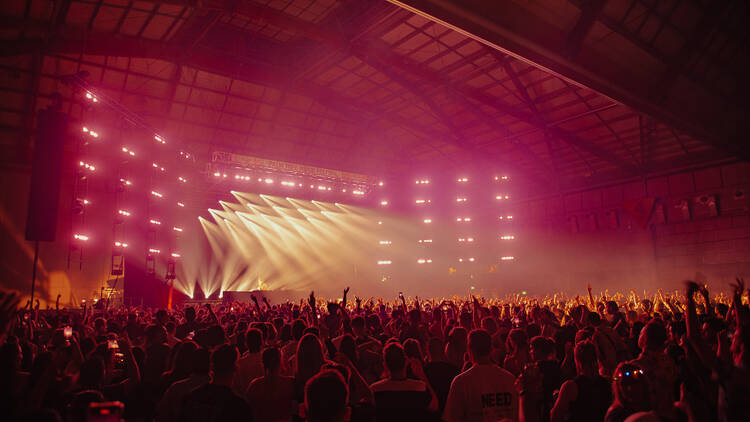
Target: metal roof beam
pixel 513 29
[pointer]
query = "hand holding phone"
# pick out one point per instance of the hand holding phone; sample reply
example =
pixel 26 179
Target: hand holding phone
pixel 105 412
pixel 68 332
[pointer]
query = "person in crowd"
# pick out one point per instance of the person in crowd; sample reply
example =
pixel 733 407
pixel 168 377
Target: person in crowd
pixel 519 356
pixel 485 392
pixel 169 406
pixel 397 394
pixel 672 357
pixel 440 373
pixel 327 398
pixel 309 361
pixel 659 368
pixel 631 391
pixel 586 397
pixel 271 397
pixel 250 365
pixel 215 401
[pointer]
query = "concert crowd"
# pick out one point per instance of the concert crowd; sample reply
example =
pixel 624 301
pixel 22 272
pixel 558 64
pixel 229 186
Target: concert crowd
pixel 669 357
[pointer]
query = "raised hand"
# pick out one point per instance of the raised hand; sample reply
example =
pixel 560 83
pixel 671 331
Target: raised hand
pixel 738 288
pixel 311 299
pixel 691 287
pixel 346 290
pixel 8 304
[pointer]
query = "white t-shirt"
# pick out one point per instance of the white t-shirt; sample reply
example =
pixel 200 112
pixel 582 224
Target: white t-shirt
pixel 483 393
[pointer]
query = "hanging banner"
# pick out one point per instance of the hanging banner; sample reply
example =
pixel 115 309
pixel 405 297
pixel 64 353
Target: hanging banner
pixel 640 210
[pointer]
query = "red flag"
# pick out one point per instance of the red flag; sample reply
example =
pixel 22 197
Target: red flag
pixel 640 210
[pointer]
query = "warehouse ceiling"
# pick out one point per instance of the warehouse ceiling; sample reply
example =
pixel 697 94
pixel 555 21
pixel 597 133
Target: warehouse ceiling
pixel 567 94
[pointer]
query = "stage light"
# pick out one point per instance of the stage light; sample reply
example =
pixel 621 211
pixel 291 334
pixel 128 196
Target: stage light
pixel 126 150
pixel 154 251
pixel 427 220
pixel 422 201
pixel 499 197
pixel 156 194
pixel 119 244
pixel 460 260
pixel 269 181
pixel 384 242
pixel 87 166
pixel 424 261
pixel 91 97
pixel 236 176
pixel 463 219
pixel 312 186
pixel 217 174
pixel 507 237
pixel 182 179
pixel 380 223
pixel 507 258
pixel 383 203
pixel 93 134
pixel 180 204
pixel 321 187
pixel 425 240
pixel 175 255
pixel 177 229
pixel 152 221
pixel 85 202
pixel 159 139
pixel 422 182
pixel 384 262
pixel 224 175
pixel 343 190
pixel 81 237
pixel 85 129
pixel 123 213
pixel 329 188
pixel 380 183
pixel 462 179
pixel 290 184
pixel 461 199
pixel 471 259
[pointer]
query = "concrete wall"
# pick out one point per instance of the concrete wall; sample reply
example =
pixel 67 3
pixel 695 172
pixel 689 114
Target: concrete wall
pixel 591 236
